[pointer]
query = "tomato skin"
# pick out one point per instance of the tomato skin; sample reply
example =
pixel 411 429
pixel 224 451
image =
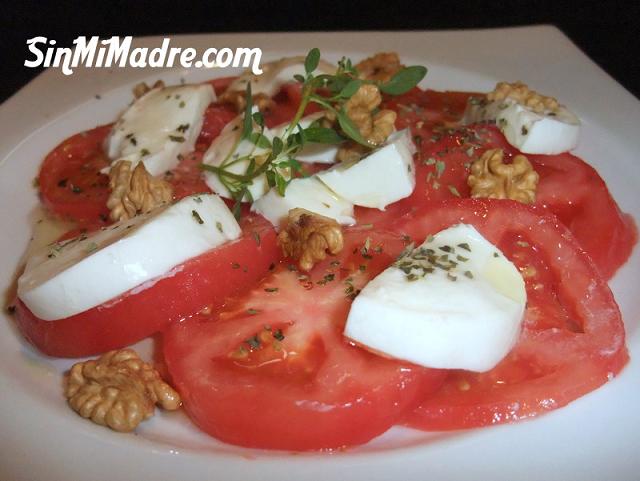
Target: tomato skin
pixel 202 282
pixel 429 106
pixel 568 187
pixel 577 195
pixel 555 360
pixel 324 392
pixel 215 118
pixel 70 182
pixel 186 179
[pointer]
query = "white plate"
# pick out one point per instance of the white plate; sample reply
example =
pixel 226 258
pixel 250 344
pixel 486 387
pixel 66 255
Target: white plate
pixel 597 437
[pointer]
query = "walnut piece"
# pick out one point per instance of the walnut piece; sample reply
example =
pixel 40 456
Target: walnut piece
pixel 134 192
pixel 375 127
pixel 142 88
pixel 238 100
pixel 351 151
pixel 522 94
pixel 308 237
pixel 490 177
pixel 118 390
pixel 382 66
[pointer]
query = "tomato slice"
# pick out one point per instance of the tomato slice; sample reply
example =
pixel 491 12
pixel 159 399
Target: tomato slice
pixel 573 335
pixel 186 179
pixel 428 106
pixel 204 282
pixel 70 181
pixel 272 370
pixel 215 118
pixel 568 187
pixel 574 192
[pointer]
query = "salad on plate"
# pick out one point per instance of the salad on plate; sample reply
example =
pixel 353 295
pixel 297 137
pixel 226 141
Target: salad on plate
pixel 326 251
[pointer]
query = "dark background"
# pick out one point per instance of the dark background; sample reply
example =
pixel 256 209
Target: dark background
pixel 607 31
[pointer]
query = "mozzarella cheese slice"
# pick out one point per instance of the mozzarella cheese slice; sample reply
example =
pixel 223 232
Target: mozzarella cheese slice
pixel 383 177
pixel 426 310
pixel 530 132
pixel 72 276
pixel 308 193
pixel 275 75
pixel 159 126
pixel 221 152
pixel 311 152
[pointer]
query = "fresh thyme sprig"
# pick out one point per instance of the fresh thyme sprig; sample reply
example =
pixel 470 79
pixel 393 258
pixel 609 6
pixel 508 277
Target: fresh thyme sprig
pixel 276 157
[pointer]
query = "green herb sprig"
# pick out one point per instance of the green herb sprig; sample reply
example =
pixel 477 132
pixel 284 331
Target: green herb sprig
pixel 276 157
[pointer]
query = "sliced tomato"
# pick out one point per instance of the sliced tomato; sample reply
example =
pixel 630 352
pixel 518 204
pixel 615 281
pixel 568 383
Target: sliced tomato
pixel 428 106
pixel 442 167
pixel 220 84
pixel 204 282
pixel 574 192
pixel 186 178
pixel 573 336
pixel 70 181
pixel 272 370
pixel 568 187
pixel 215 118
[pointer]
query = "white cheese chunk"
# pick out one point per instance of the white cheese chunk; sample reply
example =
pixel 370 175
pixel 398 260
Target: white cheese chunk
pixel 72 276
pixel 311 152
pixel 467 317
pixel 383 177
pixel 275 75
pixel 159 126
pixel 530 132
pixel 308 193
pixel 221 153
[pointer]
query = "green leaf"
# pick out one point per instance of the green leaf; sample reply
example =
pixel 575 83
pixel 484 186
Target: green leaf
pixel 271 178
pixel 247 123
pixel 345 66
pixel 322 80
pixel 277 146
pixel 350 129
pixel 336 83
pixel 251 167
pixel 296 141
pixel 322 135
pixel 258 118
pixel 260 140
pixel 290 163
pixel 350 88
pixel 404 80
pixel 298 78
pixel 295 165
pixel 237 209
pixel 312 60
pixel 281 184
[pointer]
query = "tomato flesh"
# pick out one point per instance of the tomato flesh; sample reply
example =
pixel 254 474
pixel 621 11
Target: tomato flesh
pixel 272 369
pixel 70 181
pixel 568 187
pixel 570 344
pixel 204 282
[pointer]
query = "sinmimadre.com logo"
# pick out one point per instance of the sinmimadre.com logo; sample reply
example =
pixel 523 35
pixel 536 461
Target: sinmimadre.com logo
pixel 117 52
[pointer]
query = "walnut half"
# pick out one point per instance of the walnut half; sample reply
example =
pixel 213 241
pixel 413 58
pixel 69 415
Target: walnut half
pixel 522 94
pixel 308 237
pixel 118 390
pixel 133 192
pixel 490 177
pixel 142 88
pixel 237 98
pixel 361 108
pixel 382 66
